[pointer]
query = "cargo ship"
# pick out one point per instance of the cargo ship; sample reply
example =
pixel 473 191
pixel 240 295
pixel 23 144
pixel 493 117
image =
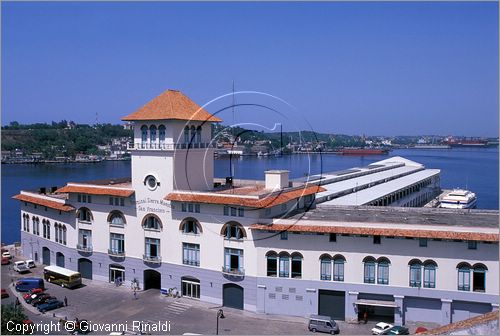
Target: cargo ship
pixel 363 151
pixel 464 142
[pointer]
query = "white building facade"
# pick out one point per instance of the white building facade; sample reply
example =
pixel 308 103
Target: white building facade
pixel 258 246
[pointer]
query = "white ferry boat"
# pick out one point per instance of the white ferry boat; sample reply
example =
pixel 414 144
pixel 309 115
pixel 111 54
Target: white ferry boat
pixel 459 199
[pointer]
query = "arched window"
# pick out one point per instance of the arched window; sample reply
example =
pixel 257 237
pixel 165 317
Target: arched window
pixel 479 277
pixel 338 267
pixel 430 274
pixel 152 222
pixel 233 230
pixel 415 273
pixel 46 228
pixel 326 267
pixel 161 132
pixel 186 134
pixel 144 134
pixel 464 276
pixel 369 269
pixel 116 218
pixel 383 271
pixel 56 231
pixel 297 265
pixel 193 134
pixel 84 215
pixel 64 235
pixel 152 133
pixel 198 134
pixel 284 258
pixel 272 263
pixel 190 225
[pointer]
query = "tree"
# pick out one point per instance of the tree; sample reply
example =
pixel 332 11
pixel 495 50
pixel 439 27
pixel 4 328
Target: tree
pixel 12 313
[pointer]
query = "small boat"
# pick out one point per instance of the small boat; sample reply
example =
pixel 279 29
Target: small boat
pixel 459 199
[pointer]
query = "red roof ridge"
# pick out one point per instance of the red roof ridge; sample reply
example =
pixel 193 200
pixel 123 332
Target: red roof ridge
pixel 44 202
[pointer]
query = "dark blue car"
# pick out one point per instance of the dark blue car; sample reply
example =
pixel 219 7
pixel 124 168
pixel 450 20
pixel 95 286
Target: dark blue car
pixel 49 305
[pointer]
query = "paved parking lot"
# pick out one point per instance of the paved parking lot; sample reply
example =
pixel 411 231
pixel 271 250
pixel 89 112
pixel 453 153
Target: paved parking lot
pixel 106 304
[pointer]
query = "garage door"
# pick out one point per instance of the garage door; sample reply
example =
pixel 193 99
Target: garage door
pixel 332 303
pixel 85 268
pixel 232 296
pixel 60 259
pixel 462 310
pixel 45 256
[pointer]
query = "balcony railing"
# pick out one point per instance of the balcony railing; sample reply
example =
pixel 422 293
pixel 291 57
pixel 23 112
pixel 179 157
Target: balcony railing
pixel 152 259
pixel 84 248
pixel 191 262
pixel 233 271
pixel 168 146
pixel 116 253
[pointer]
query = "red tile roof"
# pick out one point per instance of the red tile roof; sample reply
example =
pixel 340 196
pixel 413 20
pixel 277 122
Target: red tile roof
pixel 171 104
pixel 265 202
pixel 464 325
pixel 96 191
pixel 479 236
pixel 44 202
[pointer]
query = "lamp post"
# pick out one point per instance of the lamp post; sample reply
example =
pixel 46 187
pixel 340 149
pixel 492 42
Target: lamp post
pixel 220 313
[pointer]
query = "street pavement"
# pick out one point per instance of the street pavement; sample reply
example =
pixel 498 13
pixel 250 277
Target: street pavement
pixel 109 306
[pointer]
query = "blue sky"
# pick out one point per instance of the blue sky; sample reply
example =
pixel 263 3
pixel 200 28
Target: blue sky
pixel 352 68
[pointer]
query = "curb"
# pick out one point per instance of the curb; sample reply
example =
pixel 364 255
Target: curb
pixel 25 305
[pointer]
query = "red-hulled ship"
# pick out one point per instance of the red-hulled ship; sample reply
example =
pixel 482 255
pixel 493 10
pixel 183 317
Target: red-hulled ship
pixel 465 142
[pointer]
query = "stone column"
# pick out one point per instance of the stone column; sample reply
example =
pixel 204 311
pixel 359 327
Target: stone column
pixel 351 309
pixel 399 311
pixel 446 311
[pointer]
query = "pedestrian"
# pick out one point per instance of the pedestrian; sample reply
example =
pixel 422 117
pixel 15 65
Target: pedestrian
pixel 135 294
pixel 65 301
pixel 17 301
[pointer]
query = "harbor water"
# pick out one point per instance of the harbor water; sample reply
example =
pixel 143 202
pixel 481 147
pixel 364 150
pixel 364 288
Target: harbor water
pixel 471 168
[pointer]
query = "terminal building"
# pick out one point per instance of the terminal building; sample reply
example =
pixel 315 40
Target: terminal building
pixel 277 246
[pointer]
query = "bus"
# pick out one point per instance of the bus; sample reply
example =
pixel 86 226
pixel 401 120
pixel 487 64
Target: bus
pixel 62 276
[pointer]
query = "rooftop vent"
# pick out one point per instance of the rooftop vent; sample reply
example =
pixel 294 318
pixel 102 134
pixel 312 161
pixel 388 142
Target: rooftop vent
pixel 42 190
pixel 276 179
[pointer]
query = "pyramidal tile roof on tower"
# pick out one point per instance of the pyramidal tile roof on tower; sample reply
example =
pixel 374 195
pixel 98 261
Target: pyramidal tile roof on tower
pixel 171 104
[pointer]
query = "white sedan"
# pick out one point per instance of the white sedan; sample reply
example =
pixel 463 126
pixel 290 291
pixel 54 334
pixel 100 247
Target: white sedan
pixel 380 328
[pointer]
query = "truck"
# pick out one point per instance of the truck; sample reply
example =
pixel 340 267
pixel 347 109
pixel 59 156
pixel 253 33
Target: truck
pixel 21 267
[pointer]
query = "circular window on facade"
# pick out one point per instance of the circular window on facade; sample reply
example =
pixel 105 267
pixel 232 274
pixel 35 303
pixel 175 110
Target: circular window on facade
pixel 151 182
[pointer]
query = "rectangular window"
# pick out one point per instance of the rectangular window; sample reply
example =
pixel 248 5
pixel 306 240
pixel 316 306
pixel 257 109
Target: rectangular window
pixel 122 202
pixel 84 198
pixel 191 254
pixel 152 248
pixel 190 207
pixel 429 277
pixel 333 237
pixel 241 212
pixel 79 198
pixel 376 239
pixel 233 260
pixel 85 238
pixel 111 201
pixel 369 276
pixel 284 235
pixel 472 245
pixel 272 266
pixel 415 276
pixel 233 211
pixel 117 243
pixel 183 207
pixel 464 280
pixel 284 267
pixel 326 269
pixel 197 208
pixel 296 267
pixel 117 201
pixel 226 210
pixel 479 280
pixel 383 274
pixel 422 242
pixel 338 270
pixel 89 199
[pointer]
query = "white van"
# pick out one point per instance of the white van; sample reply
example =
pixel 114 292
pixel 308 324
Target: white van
pixel 323 324
pixel 20 266
pixel 30 263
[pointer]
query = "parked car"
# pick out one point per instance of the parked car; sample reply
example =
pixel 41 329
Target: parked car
pixel 323 324
pixel 4 294
pixel 7 255
pixel 30 263
pixel 42 299
pixel 50 305
pixel 397 330
pixel 20 267
pixel 5 261
pixel 33 291
pixel 420 330
pixel 35 296
pixel 380 328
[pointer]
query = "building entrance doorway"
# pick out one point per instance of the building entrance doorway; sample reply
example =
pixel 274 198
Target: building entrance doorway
pixel 152 279
pixel 190 287
pixel 116 273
